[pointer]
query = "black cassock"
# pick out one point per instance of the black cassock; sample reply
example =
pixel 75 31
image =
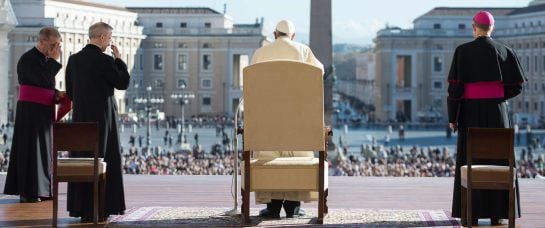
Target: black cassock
pixel 29 165
pixel 91 77
pixel 482 60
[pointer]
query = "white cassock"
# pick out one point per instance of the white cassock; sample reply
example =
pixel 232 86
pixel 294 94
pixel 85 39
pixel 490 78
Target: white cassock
pixel 284 48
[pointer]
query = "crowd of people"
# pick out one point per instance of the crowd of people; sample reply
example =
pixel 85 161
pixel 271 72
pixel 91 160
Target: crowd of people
pixel 4 160
pixel 530 165
pixel 420 162
pixel 4 149
pixel 162 162
pixel 373 161
pixel 394 161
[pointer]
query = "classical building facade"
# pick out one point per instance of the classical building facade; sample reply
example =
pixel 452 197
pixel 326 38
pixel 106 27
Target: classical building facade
pixel 7 23
pixel 362 84
pixel 72 18
pixel 196 51
pixel 412 64
pixel 170 50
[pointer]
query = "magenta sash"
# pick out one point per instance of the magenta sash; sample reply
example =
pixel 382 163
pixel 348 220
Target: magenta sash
pixel 36 95
pixel 484 90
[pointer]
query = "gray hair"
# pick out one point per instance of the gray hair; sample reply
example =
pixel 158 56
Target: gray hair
pixel 47 32
pixel 97 29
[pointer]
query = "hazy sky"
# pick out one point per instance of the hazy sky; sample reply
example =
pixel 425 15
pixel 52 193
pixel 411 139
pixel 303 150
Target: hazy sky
pixel 354 21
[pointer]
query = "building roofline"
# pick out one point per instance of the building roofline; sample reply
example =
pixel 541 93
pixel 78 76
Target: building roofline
pixel 94 4
pixel 174 10
pixel 477 8
pixel 248 25
pixel 206 35
pixel 529 9
pixel 432 12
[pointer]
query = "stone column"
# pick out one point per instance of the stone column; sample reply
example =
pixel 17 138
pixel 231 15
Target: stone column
pixel 7 23
pixel 321 45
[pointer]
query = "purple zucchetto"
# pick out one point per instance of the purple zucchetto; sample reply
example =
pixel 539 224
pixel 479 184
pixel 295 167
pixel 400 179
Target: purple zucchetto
pixel 484 18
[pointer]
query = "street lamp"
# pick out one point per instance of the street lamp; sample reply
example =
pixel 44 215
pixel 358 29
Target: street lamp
pixel 183 99
pixel 142 100
pixel 157 100
pixel 148 110
pixel 148 101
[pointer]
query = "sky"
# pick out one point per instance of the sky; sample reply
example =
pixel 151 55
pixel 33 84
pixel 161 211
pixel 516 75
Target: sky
pixel 354 21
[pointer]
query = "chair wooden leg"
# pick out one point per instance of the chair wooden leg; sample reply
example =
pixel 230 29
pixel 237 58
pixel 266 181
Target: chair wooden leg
pixel 101 206
pixel 55 202
pixel 321 194
pixel 245 208
pixel 95 202
pixel 511 208
pixel 463 206
pixel 469 209
pixel 246 191
pixel 321 206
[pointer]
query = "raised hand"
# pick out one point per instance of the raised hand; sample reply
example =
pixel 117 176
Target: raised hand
pixel 115 51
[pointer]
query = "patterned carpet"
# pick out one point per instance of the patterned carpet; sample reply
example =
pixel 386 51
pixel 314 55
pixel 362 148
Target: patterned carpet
pixel 212 217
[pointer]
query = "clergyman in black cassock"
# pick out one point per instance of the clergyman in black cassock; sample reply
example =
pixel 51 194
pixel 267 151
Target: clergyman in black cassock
pixel 483 64
pixel 91 77
pixel 29 171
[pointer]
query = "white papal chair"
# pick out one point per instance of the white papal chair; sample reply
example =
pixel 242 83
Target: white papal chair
pixel 284 111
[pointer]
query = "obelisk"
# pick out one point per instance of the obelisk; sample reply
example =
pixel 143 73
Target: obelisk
pixel 321 45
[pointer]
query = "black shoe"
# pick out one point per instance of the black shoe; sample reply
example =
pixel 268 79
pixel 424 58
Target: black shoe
pixel 103 219
pixel 495 222
pixel 475 222
pixel 86 219
pixel 23 199
pixel 265 213
pixel 297 212
pixel 46 198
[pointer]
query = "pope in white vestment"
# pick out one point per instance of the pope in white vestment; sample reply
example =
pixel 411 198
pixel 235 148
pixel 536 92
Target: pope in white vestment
pixel 284 48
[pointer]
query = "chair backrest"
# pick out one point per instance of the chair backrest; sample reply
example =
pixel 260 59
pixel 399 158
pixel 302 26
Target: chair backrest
pixel 81 136
pixel 490 143
pixel 283 107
